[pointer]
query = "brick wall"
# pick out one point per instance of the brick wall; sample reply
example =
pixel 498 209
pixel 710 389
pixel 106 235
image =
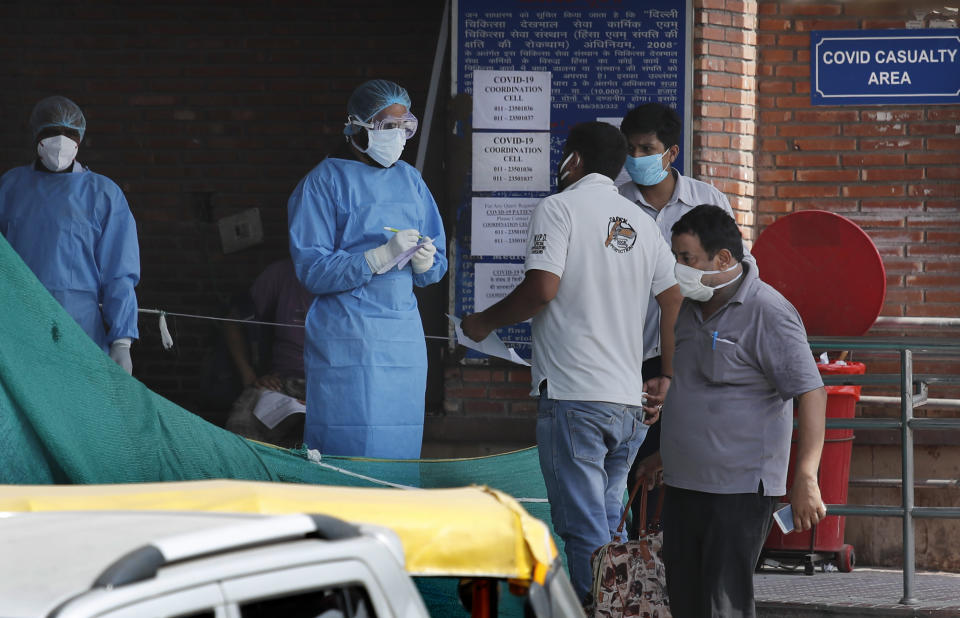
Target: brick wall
pixel 725 110
pixel 893 170
pixel 486 409
pixel 199 111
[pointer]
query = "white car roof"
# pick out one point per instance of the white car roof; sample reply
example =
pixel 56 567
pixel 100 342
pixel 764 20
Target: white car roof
pixel 51 557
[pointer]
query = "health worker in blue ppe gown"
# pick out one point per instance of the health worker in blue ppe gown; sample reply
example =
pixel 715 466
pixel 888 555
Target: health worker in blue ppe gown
pixel 351 219
pixel 74 229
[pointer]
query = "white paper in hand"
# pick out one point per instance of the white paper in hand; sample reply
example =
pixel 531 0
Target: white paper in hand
pixel 491 346
pixel 273 407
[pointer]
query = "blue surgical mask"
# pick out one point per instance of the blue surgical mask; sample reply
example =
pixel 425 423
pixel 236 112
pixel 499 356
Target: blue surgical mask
pixel 646 171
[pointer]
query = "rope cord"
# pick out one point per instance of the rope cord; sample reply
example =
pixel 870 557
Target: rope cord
pixel 391 484
pixel 280 324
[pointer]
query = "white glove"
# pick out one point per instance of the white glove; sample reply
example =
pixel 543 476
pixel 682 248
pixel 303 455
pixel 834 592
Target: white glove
pixel 382 255
pixel 422 260
pixel 120 353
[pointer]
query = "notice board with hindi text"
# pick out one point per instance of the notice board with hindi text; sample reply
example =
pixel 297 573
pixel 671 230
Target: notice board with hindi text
pixel 523 73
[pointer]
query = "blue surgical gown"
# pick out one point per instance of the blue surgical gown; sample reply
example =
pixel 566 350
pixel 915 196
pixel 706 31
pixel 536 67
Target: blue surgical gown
pixel 365 354
pixel 76 233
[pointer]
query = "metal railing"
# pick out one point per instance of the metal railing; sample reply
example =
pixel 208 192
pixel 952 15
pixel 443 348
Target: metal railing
pixel 913 394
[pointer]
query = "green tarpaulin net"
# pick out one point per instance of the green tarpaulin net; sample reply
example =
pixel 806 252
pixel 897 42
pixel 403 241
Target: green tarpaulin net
pixel 70 415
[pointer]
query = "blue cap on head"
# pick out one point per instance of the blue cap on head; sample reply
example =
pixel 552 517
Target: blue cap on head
pixel 373 96
pixel 57 111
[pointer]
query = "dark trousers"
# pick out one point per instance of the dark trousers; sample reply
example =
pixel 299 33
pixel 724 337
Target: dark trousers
pixel 650 445
pixel 711 544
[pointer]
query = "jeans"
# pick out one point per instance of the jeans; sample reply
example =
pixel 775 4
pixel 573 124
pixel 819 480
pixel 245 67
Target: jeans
pixel 586 448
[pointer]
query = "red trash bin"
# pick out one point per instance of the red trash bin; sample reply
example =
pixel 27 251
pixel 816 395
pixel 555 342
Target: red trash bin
pixel 833 478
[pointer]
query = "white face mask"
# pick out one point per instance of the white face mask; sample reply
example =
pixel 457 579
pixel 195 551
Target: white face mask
pixel 57 152
pixel 385 145
pixel 692 287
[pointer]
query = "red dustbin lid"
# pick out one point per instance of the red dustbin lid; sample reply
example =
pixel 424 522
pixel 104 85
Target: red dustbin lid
pixel 827 267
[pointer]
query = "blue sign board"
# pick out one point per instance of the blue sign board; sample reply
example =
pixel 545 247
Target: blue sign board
pixel 870 67
pixel 605 57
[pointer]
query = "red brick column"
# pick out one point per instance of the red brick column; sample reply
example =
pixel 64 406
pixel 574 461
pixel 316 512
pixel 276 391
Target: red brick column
pixel 487 405
pixel 724 108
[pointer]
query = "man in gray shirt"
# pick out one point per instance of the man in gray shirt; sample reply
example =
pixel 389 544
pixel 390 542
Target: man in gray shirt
pixel 741 357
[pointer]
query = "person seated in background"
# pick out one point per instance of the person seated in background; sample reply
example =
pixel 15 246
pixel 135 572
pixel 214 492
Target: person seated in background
pixel 270 408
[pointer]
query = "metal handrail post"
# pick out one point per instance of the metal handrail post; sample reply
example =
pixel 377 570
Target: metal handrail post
pixel 906 435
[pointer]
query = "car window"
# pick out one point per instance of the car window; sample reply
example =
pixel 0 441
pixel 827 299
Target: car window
pixel 342 602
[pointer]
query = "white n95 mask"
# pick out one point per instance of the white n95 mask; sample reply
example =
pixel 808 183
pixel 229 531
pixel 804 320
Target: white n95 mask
pixel 385 145
pixel 57 152
pixel 691 286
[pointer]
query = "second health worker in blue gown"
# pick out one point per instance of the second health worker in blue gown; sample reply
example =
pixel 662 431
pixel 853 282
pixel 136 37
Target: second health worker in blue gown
pixel 74 229
pixel 365 354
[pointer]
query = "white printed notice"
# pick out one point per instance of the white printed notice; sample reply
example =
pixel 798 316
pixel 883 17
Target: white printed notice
pixel 491 282
pixel 511 100
pixel 511 161
pixel 499 225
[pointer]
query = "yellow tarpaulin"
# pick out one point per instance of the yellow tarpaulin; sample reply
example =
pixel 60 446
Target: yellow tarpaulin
pixel 463 532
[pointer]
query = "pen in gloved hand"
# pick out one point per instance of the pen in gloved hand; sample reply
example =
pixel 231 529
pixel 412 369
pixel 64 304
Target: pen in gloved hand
pixel 395 230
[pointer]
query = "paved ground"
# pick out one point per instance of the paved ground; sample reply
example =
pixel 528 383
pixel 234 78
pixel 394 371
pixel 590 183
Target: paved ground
pixel 865 591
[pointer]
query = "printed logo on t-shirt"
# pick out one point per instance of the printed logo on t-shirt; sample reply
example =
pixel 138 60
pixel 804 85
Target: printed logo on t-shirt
pixel 539 243
pixel 620 236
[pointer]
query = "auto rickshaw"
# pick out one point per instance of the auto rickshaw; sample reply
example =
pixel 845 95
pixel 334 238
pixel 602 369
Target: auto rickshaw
pixel 480 538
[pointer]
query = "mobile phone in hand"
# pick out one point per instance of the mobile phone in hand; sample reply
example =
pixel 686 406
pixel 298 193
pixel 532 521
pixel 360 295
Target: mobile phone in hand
pixel 784 518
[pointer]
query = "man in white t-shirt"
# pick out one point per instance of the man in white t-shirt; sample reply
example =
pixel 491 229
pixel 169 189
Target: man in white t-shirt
pixel 592 259
pixel 653 133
